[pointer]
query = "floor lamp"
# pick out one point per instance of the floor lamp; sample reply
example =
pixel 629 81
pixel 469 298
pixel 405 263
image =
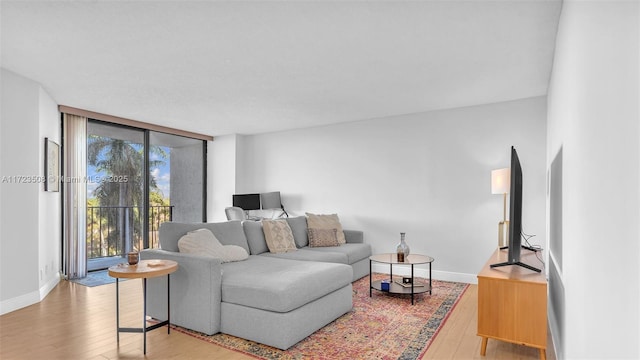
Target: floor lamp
pixel 500 182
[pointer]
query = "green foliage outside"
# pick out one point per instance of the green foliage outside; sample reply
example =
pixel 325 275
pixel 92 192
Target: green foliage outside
pixel 114 213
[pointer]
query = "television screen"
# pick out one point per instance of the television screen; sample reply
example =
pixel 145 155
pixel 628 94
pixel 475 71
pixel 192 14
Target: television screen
pixel 515 215
pixel 247 201
pixel 515 208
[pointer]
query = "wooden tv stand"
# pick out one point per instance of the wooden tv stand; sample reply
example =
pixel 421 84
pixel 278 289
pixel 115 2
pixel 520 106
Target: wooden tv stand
pixel 512 303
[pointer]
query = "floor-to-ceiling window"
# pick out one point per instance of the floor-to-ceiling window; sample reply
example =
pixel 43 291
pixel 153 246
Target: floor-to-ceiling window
pixel 176 181
pixel 129 178
pixel 115 192
pixel 138 179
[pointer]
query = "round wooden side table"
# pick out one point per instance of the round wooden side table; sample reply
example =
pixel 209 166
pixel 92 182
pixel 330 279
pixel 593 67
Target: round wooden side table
pixel 144 269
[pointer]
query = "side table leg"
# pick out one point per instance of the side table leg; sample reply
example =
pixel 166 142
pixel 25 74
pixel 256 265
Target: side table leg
pixel 144 314
pixel 370 280
pixel 168 304
pixel 117 313
pixel 430 287
pixel 411 284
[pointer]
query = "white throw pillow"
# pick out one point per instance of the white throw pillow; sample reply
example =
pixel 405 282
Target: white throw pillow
pixel 234 253
pixel 203 242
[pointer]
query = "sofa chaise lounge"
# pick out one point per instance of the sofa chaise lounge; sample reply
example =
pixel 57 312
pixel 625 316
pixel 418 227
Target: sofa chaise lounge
pixel 274 299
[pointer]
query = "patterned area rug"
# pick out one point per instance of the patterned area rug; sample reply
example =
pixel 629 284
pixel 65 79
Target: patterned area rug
pixel 384 326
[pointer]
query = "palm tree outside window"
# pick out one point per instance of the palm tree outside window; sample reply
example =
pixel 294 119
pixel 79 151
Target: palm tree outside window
pixel 138 179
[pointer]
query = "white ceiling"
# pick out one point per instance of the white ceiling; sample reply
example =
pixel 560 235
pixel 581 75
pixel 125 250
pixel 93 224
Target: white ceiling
pixel 252 67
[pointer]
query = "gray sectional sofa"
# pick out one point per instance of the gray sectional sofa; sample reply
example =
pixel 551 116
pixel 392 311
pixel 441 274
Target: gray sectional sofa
pixel 274 299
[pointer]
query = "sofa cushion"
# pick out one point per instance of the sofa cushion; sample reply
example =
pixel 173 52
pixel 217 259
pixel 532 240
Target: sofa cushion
pixel 353 252
pixel 307 254
pixel 255 237
pixel 298 227
pixel 228 232
pixel 281 285
pixel 323 237
pixel 326 222
pixel 278 235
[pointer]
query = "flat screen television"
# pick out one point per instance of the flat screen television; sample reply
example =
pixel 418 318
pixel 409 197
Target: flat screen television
pixel 247 201
pixel 515 216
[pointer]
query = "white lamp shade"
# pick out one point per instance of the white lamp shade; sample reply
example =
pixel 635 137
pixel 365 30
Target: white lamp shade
pixel 500 181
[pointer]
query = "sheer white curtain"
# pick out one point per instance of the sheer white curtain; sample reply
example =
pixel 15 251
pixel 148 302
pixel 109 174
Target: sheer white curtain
pixel 75 196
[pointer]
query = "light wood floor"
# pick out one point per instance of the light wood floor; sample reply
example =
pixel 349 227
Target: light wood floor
pixel 78 322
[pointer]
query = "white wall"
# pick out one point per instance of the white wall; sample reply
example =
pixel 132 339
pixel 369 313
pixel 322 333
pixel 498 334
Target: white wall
pixel 221 175
pixel 424 174
pixel 20 149
pixel 48 202
pixel 593 116
pixel 29 240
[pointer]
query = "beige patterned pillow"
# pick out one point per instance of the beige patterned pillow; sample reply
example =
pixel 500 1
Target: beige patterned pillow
pixel 326 222
pixel 323 237
pixel 279 236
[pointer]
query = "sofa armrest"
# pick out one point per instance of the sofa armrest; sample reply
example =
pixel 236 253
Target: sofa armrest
pixel 196 291
pixel 354 236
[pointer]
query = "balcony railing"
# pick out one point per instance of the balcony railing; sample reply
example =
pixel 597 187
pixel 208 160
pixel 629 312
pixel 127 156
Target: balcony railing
pixel 116 230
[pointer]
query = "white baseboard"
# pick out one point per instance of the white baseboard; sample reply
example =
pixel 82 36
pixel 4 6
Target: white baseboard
pixel 33 297
pixel 422 272
pixel 552 323
pixel 49 285
pixel 18 302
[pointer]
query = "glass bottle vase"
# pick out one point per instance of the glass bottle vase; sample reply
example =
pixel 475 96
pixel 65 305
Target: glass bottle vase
pixel 402 249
